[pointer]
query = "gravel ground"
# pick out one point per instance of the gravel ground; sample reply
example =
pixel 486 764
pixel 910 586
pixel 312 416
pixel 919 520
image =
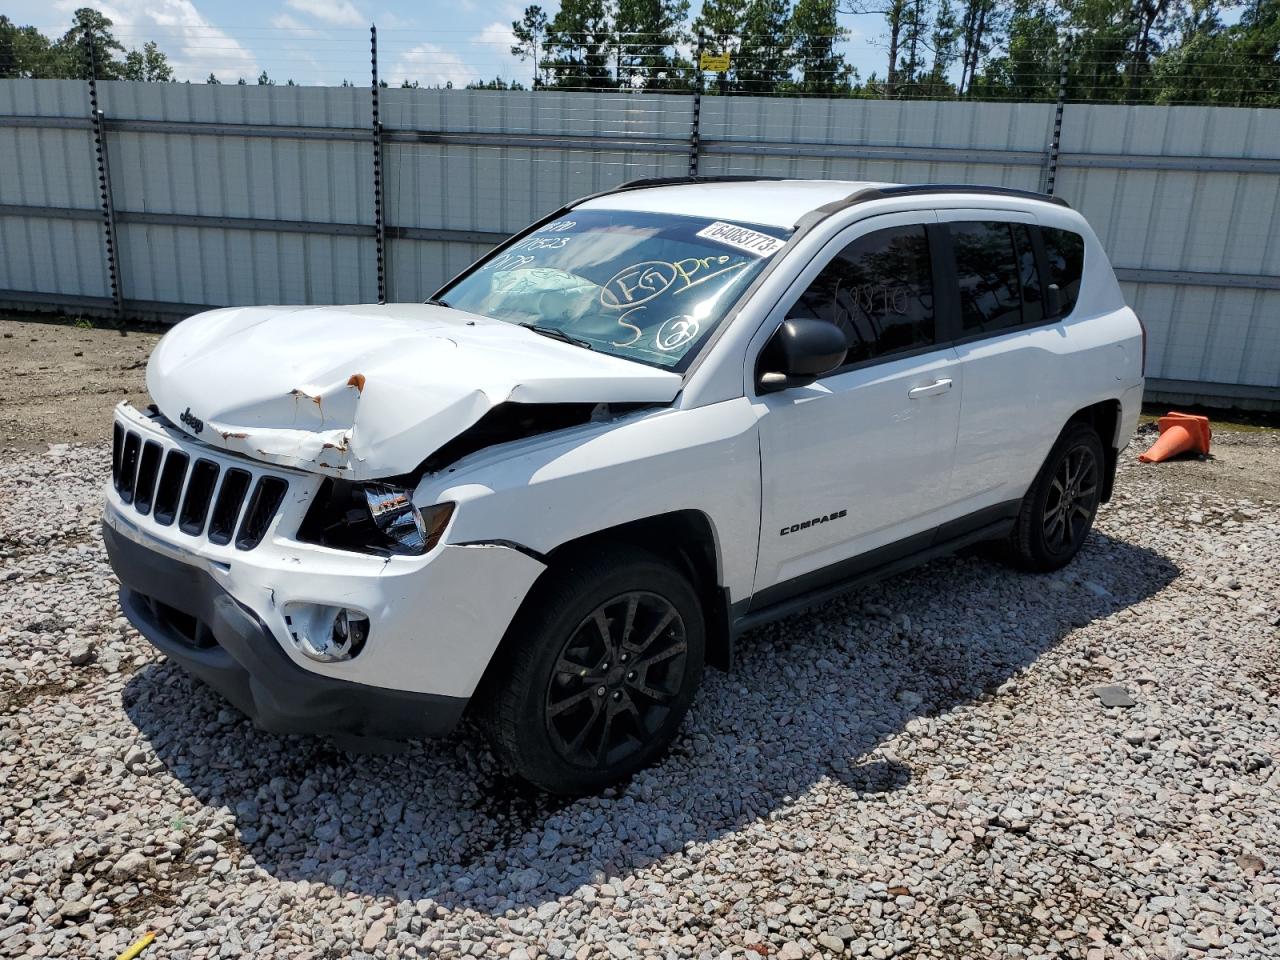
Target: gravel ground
pixel 923 769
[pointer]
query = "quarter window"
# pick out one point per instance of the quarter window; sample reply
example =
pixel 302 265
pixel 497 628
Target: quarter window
pixel 1064 250
pixel 987 269
pixel 879 291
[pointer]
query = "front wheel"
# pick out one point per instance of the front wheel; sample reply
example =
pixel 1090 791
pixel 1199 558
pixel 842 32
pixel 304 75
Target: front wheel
pixel 604 665
pixel 1058 511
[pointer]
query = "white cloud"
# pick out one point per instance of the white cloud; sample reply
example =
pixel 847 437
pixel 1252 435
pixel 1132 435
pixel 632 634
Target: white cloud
pixel 495 37
pixel 491 54
pixel 341 14
pixel 432 66
pixel 282 21
pixel 194 46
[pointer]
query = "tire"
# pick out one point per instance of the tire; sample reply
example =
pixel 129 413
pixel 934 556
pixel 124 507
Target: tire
pixel 619 704
pixel 1058 511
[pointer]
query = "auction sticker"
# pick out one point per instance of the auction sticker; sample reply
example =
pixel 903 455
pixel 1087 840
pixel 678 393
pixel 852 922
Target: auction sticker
pixel 748 241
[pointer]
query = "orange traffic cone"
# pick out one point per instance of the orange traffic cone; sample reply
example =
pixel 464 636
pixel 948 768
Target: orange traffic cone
pixel 1179 433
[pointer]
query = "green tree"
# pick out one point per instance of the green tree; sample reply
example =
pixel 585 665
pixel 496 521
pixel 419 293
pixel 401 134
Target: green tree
pixel 944 39
pixel 915 29
pixel 1215 64
pixel 264 80
pixel 645 36
pixel 719 25
pixel 814 35
pixel 497 83
pixel 148 64
pixel 895 14
pixel 981 26
pixel 578 45
pixel 530 32
pixel 764 58
pixel 87 22
pixel 215 81
pixel 25 52
pixel 1029 68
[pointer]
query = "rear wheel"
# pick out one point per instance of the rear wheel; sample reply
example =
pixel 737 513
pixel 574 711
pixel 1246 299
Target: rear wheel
pixel 1058 511
pixel 604 667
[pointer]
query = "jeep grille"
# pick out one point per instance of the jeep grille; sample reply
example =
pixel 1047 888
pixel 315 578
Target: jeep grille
pixel 204 498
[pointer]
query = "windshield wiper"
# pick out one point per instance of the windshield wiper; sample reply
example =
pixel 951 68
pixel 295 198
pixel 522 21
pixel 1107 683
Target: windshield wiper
pixel 436 303
pixel 555 333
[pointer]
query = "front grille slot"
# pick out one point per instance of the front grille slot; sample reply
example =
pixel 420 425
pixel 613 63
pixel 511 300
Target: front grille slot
pixel 235 484
pixel 195 505
pixel 117 447
pixel 128 466
pixel 266 500
pixel 170 487
pixel 148 468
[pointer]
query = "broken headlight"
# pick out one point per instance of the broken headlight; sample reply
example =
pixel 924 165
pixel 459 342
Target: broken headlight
pixel 377 518
pixel 407 528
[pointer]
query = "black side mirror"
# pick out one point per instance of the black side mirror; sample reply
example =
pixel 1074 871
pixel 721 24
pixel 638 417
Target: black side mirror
pixel 1053 300
pixel 800 351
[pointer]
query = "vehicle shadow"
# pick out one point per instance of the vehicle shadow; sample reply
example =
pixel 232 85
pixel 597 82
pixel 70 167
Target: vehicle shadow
pixel 812 698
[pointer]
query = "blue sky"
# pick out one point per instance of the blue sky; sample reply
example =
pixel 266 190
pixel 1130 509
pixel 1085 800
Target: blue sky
pixel 326 41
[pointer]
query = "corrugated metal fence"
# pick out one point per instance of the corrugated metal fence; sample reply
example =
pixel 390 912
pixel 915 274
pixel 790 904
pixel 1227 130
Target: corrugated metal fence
pixel 247 194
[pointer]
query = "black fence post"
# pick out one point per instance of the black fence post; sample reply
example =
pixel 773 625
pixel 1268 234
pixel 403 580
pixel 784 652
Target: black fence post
pixel 1051 175
pixel 104 180
pixel 695 127
pixel 379 206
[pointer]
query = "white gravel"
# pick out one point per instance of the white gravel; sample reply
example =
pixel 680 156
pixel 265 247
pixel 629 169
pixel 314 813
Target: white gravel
pixel 923 769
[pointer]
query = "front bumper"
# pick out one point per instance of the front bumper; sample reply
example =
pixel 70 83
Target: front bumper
pixel 434 620
pixel 193 621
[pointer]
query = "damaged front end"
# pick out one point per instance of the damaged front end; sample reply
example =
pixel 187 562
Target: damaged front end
pixel 373 392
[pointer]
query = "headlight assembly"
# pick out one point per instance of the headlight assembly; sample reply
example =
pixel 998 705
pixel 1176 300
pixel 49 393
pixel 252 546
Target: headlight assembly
pixel 377 518
pixel 408 530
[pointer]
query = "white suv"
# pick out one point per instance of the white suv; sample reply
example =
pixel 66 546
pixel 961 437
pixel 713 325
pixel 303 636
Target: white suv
pixel 661 416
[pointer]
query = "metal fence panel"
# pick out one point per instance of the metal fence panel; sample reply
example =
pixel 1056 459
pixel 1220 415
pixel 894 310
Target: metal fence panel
pixel 234 194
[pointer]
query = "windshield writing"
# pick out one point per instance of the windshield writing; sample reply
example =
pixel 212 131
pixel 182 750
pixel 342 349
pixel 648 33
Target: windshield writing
pixel 648 287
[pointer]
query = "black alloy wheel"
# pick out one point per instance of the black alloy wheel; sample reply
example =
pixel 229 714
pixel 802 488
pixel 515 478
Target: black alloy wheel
pixel 1057 513
pixel 1072 501
pixel 597 671
pixel 615 680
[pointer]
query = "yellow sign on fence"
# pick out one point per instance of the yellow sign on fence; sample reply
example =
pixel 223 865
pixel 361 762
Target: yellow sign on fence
pixel 717 62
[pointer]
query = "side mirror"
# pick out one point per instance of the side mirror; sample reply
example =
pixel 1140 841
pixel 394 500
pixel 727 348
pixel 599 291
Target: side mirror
pixel 1053 300
pixel 800 351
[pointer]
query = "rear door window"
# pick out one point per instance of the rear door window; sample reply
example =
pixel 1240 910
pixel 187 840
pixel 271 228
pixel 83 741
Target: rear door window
pixel 1064 250
pixel 879 291
pixel 987 270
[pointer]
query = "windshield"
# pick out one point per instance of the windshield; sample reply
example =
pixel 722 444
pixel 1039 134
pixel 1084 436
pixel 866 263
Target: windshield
pixel 645 286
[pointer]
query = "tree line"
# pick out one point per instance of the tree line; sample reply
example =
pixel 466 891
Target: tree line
pixel 26 52
pixel 1128 51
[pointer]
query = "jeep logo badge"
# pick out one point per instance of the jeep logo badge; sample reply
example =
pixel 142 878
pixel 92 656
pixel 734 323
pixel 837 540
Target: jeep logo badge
pixel 192 421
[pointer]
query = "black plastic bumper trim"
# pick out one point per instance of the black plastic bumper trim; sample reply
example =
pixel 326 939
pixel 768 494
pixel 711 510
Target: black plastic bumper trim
pixel 247 665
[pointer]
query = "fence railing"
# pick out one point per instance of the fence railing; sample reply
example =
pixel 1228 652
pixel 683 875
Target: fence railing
pixel 163 199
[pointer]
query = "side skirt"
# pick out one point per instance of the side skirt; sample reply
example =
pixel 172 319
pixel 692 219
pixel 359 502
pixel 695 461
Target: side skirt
pixel 812 589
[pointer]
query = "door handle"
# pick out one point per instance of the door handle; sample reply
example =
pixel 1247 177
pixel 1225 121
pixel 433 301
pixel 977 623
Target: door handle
pixel 938 386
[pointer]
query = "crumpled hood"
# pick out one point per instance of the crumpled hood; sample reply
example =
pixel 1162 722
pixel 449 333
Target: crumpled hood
pixel 370 390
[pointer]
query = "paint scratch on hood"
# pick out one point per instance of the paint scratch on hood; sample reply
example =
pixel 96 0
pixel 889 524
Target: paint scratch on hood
pixel 369 391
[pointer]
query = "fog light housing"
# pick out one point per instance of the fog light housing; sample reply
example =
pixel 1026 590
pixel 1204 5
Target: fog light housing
pixel 327 634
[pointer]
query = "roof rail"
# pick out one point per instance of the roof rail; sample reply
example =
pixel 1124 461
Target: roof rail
pixel 646 182
pixel 913 189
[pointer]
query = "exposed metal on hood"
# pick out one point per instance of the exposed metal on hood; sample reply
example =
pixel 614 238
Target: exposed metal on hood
pixel 369 391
